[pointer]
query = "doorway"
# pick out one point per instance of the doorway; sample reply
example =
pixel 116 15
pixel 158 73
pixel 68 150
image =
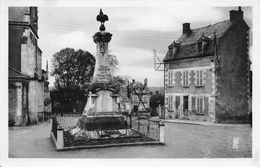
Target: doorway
pixel 185 105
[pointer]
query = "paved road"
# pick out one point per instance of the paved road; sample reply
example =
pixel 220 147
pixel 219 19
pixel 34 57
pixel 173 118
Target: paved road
pixel 182 141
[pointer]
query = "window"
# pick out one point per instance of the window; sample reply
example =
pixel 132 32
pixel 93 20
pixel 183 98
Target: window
pixel 199 78
pixel 145 99
pixel 170 78
pixel 135 99
pixel 185 78
pixel 199 105
pixel 170 52
pixel 170 106
pixel 199 47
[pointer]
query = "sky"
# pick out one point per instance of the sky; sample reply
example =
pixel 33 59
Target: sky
pixel 136 32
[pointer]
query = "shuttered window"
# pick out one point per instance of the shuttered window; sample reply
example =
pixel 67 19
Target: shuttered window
pixel 185 78
pixel 206 105
pixel 171 78
pixel 199 105
pixel 171 102
pixel 135 99
pixel 199 78
pixel 199 47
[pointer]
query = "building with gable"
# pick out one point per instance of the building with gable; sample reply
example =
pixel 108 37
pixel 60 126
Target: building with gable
pixel 26 81
pixel 207 71
pixel 139 96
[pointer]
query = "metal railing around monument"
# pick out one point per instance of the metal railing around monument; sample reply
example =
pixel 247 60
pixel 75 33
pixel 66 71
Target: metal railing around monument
pixel 135 130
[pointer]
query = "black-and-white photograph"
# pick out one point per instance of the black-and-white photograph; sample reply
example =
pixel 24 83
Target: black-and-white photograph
pixel 128 83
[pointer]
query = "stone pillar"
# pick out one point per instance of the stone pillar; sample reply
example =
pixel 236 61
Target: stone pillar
pixel 51 126
pixel 102 72
pixel 162 133
pixel 212 109
pixel 18 115
pixel 60 139
pixel 33 101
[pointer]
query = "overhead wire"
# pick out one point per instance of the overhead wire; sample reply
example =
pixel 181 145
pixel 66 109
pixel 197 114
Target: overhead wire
pixel 62 25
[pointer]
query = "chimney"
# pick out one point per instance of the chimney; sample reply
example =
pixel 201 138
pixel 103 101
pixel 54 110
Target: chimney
pixel 145 81
pixel 157 93
pixel 234 15
pixel 186 28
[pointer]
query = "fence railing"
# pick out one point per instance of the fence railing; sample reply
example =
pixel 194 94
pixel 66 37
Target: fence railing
pixel 150 128
pixel 135 130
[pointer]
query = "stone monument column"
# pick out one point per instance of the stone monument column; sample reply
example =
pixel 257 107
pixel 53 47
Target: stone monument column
pixel 103 99
pixel 102 72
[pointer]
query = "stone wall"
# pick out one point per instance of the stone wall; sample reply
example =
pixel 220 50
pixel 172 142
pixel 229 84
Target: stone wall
pixel 28 55
pixel 12 103
pixel 40 97
pixel 15 36
pixel 232 78
pixel 33 101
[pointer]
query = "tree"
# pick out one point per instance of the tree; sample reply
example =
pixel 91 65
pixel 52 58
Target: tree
pixel 72 70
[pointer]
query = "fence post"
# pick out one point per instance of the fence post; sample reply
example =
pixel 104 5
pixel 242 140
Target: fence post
pixel 60 139
pixel 130 117
pixel 148 127
pixel 161 126
pixel 51 126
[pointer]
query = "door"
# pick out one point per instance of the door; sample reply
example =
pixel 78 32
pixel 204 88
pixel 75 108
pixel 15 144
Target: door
pixel 185 105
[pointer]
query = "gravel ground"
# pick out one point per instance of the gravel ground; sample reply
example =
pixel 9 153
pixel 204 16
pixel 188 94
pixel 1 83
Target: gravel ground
pixel 182 141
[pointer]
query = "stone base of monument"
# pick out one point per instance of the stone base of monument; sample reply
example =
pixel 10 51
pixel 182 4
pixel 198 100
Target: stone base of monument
pixel 102 121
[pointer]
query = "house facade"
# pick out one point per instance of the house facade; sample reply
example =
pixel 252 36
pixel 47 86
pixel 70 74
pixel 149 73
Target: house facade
pixel 140 96
pixel 207 71
pixel 26 81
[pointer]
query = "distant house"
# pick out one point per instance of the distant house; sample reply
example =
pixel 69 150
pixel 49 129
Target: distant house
pixel 139 95
pixel 207 71
pixel 25 78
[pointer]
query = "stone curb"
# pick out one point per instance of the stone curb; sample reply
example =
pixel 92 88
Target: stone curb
pixel 205 123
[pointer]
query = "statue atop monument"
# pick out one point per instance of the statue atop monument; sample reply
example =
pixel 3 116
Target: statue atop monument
pixel 102 18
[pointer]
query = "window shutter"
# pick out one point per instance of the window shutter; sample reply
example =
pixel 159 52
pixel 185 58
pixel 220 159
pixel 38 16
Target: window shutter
pixel 206 105
pixel 170 78
pixel 200 78
pixel 171 101
pixel 173 78
pixel 202 105
pixel 196 76
pixel 204 77
pixel 198 105
pixel 189 78
pixel 182 73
